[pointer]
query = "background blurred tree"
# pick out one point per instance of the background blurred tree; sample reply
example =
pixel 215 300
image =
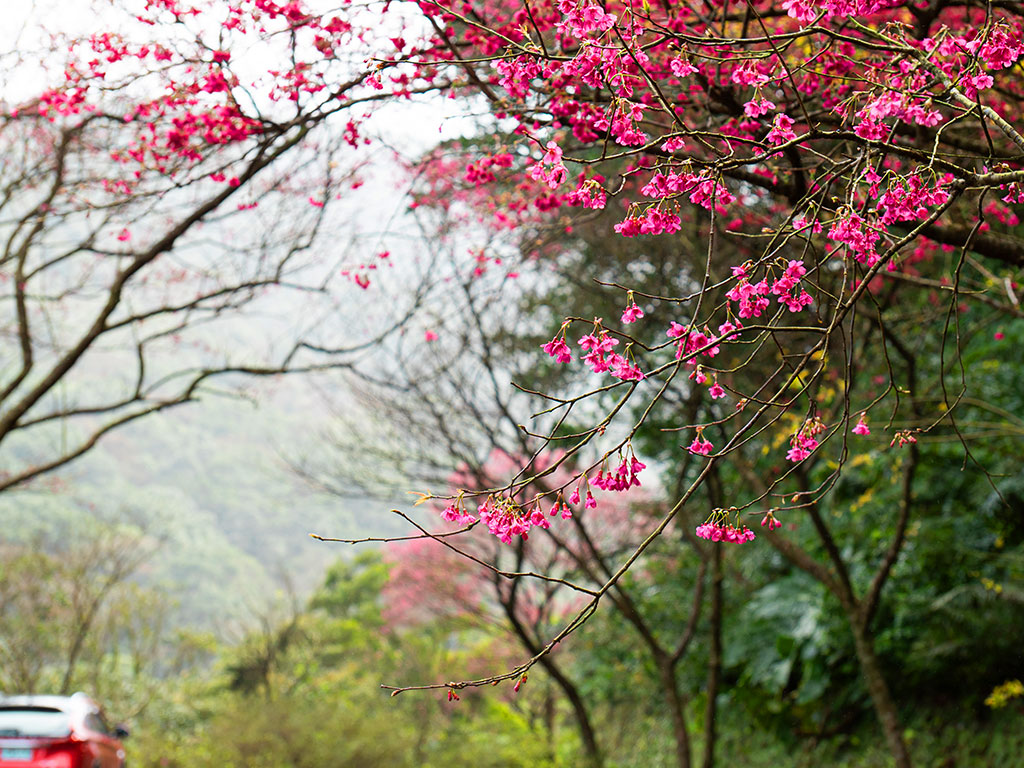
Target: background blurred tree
pixel 72 615
pixel 166 191
pixel 316 698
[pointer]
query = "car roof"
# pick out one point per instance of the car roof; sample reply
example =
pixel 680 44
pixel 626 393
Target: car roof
pixel 74 703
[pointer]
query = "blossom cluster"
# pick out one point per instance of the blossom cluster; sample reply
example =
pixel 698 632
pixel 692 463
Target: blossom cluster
pixel 654 220
pixel 589 501
pixel 782 130
pixel 632 313
pixel 598 346
pixel 516 74
pixel 588 194
pixel 729 533
pixel 908 198
pixel 805 440
pixel 626 476
pixel 506 519
pixel 580 19
pixel 857 235
pixel 905 107
pixel 551 170
pixel 624 124
pixel 701 188
pixel 998 49
pixel 454 513
pixel 700 445
pixel 558 349
pixel 757 107
pixel 807 11
pixel 788 289
pixel 752 300
pixel 690 341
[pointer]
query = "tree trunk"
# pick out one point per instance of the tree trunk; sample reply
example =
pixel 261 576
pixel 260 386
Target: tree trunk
pixel 881 698
pixel 591 750
pixel 714 658
pixel 590 747
pixel 549 720
pixel 676 711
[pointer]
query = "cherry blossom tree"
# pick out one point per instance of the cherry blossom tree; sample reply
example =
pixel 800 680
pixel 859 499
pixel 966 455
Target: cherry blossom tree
pixel 842 160
pixel 845 159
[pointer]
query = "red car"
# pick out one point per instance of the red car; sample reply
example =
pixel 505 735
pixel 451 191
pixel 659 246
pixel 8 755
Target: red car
pixel 57 732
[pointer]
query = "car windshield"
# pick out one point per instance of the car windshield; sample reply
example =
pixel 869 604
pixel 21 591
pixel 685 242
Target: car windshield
pixel 24 722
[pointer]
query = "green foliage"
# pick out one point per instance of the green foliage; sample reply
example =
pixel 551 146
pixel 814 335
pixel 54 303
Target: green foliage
pixel 304 690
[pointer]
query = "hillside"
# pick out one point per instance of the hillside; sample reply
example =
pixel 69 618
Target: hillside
pixel 212 482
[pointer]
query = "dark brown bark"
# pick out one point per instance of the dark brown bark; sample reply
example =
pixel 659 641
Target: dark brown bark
pixel 714 659
pixel 591 749
pixel 878 688
pixel 677 710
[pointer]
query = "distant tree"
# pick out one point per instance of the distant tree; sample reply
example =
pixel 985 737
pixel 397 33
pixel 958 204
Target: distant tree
pixel 164 195
pixel 65 606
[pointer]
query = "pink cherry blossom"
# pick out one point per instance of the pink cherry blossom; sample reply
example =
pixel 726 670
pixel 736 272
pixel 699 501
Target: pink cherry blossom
pixel 558 349
pixel 700 446
pixel 551 170
pixel 632 313
pixel 728 533
pixel 758 107
pixel 782 130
